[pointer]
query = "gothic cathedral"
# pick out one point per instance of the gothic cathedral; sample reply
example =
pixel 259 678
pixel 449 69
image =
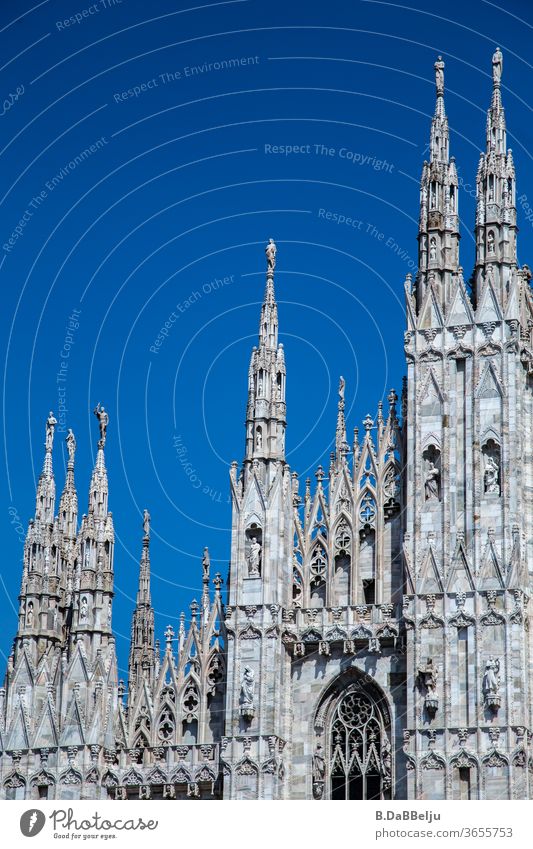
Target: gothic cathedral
pixel 373 640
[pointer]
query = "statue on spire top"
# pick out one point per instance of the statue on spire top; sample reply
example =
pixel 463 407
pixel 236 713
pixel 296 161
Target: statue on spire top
pixel 439 76
pixel 50 428
pixel 270 251
pixel 103 421
pixel 71 444
pixel 146 523
pixel 497 66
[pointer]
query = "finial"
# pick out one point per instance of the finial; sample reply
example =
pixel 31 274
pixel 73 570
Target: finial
pixel 194 610
pixel 218 581
pixel 169 634
pixel 439 76
pixel 146 524
pixel 368 422
pixel 319 474
pixel 70 439
pixel 270 252
pixel 51 423
pixel 497 67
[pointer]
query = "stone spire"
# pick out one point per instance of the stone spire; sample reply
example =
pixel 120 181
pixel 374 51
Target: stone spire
pixel 46 488
pixel 206 568
pixel 438 237
pixel 142 656
pixel 93 581
pixel 341 444
pixel 68 504
pixel 99 490
pixel 496 227
pixel 266 411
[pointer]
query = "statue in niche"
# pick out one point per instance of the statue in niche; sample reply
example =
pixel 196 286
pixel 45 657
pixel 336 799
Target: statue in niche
pixel 260 387
pixel 429 676
pixel 258 439
pixel 270 252
pixel 103 421
pixel 431 483
pixel 29 615
pixel 50 428
pixel 390 484
pixel 492 475
pixel 433 250
pixel 254 558
pixel 71 444
pixel 490 240
pixel 109 613
pixel 84 609
pixel 491 682
pixel 247 692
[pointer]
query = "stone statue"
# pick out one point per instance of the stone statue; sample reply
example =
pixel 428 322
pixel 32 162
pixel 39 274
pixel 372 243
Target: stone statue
pixel 247 691
pixel 342 386
pixel 254 558
pixel 84 609
pixel 439 75
pixel 319 764
pixel 146 523
pixel 433 250
pixel 490 240
pixel 497 66
pixel 258 439
pixel 71 444
pixel 109 613
pixel 206 563
pixel 103 421
pixel 50 427
pixel 491 475
pixel 270 251
pixel 491 679
pixel 29 615
pixel 431 484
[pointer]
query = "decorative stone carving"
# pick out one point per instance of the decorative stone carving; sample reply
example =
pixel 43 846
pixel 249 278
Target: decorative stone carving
pixel 318 772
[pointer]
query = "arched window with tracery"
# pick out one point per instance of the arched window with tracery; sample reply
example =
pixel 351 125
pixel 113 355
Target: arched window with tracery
pixel 360 756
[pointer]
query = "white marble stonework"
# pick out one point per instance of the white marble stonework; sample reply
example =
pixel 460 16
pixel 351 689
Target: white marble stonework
pixel 373 640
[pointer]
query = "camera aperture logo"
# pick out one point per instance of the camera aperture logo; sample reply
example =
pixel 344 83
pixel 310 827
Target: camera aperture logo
pixel 32 822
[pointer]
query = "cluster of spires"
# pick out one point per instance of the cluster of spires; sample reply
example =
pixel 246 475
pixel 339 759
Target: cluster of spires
pixel 438 212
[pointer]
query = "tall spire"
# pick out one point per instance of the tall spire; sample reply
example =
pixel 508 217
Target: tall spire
pixel 98 493
pixel 68 504
pixel 496 227
pixel 341 444
pixel 206 568
pixel 46 488
pixel 268 325
pixel 265 415
pixel 438 238
pixel 142 654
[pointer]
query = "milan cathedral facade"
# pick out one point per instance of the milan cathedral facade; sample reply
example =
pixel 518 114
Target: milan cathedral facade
pixel 373 639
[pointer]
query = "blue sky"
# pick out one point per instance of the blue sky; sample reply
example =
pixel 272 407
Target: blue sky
pixel 209 130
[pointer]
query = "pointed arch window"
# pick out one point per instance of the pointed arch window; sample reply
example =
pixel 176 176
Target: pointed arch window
pixel 360 765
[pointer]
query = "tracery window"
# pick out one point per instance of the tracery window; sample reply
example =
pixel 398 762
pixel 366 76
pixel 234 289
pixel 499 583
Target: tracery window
pixel 360 753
